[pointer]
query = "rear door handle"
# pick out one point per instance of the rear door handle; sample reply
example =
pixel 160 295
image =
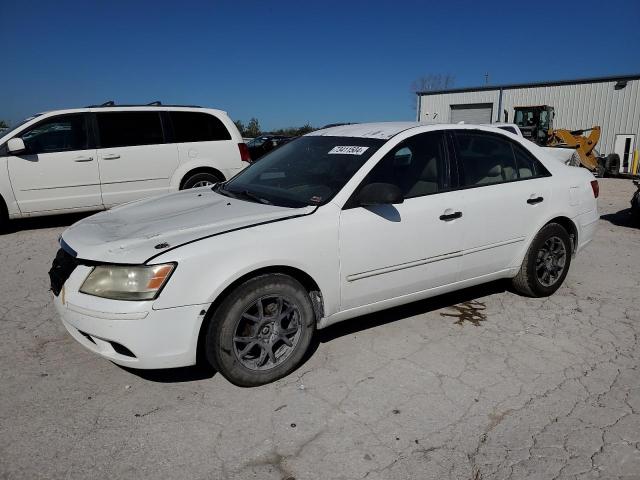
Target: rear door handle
pixel 83 159
pixel 450 216
pixel 533 201
pixel 110 156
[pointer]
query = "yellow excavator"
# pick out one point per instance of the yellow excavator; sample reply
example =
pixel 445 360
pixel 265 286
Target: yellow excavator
pixel 536 124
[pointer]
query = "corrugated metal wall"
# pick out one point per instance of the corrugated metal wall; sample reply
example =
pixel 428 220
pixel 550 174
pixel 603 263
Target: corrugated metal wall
pixel 576 106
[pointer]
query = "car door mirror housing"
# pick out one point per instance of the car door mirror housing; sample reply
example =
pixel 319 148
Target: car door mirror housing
pixel 16 146
pixel 380 194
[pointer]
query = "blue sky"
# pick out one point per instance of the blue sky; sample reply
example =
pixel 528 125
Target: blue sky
pixel 288 63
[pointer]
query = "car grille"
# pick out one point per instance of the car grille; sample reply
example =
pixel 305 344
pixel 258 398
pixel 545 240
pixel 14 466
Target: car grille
pixel 61 268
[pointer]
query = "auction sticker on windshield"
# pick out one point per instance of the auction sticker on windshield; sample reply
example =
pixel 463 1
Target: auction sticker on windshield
pixel 348 150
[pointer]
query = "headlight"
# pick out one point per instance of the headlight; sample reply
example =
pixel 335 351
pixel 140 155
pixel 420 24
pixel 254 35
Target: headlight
pixel 121 282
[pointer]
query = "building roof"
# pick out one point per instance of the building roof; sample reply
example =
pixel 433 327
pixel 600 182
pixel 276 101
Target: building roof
pixel 509 86
pixel 381 130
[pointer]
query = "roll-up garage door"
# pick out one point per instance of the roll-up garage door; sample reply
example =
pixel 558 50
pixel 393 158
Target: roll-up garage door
pixel 472 113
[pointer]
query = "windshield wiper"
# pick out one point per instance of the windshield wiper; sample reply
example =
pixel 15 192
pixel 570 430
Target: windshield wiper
pixel 243 193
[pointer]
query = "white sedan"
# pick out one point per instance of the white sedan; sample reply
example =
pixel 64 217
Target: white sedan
pixel 336 224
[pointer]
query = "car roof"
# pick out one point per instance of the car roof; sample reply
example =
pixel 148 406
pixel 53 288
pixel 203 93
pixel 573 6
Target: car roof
pixel 381 130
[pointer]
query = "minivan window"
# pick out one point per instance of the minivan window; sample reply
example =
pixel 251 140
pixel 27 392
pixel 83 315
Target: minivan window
pixel 125 129
pixel 197 127
pixel 58 134
pixel 416 166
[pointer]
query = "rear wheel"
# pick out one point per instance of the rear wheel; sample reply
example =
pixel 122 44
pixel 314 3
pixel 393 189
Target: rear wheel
pixel 201 179
pixel 546 264
pixel 261 331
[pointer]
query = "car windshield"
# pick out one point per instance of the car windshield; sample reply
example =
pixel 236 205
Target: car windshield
pixel 18 125
pixel 306 171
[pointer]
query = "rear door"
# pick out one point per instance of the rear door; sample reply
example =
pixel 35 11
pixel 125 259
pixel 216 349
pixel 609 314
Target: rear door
pixel 134 159
pixel 203 139
pixel 504 193
pixel 59 170
pixel 391 250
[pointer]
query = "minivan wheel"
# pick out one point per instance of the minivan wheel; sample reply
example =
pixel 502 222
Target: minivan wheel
pixel 546 263
pixel 201 179
pixel 261 331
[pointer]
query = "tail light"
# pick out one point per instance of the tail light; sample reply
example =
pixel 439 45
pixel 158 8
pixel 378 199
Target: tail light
pixel 245 156
pixel 596 188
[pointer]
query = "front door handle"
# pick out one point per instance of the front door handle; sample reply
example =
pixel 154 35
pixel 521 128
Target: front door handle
pixel 83 159
pixel 110 156
pixel 533 201
pixel 450 216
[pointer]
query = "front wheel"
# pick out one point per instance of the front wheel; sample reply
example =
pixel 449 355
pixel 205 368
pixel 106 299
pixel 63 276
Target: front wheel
pixel 546 264
pixel 261 331
pixel 202 179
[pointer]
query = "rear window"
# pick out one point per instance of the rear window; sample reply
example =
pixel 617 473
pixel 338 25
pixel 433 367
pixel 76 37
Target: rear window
pixel 125 129
pixel 197 127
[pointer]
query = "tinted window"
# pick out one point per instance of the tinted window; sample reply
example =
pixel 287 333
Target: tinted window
pixel 417 166
pixel 197 127
pixel 58 134
pixel 485 159
pixel 121 129
pixel 528 166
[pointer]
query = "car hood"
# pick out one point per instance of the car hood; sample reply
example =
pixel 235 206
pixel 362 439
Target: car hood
pixel 134 232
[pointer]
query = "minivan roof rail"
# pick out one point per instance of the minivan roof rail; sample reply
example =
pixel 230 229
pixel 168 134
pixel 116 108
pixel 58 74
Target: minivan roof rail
pixel 156 103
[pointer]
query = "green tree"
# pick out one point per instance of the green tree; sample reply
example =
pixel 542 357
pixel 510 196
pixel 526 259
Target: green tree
pixel 3 125
pixel 241 127
pixel 253 128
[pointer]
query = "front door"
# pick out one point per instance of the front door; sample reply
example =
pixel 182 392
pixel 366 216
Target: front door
pixel 59 170
pixel 391 250
pixel 135 161
pixel 624 147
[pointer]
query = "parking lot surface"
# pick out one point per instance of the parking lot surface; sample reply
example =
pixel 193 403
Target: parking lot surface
pixel 481 384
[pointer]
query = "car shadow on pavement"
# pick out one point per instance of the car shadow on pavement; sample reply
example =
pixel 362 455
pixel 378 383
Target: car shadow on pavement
pixel 383 317
pixel 51 221
pixel 622 218
pixel 174 375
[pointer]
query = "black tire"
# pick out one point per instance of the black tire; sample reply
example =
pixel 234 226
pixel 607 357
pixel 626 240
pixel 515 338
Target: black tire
pixel 230 330
pixel 531 280
pixel 200 179
pixel 4 218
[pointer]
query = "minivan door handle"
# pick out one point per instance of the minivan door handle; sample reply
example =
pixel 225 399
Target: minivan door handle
pixel 110 156
pixel 445 217
pixel 534 200
pixel 83 159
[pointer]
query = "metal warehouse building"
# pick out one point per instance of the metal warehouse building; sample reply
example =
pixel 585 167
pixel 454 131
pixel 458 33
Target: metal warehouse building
pixel 613 103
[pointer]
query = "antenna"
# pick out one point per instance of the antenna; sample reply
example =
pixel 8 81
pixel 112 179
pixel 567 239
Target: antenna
pixel 157 103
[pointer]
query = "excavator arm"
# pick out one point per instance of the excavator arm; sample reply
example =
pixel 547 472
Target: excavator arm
pixel 584 145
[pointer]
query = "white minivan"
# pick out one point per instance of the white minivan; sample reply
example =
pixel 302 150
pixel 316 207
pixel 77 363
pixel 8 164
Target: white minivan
pixel 96 157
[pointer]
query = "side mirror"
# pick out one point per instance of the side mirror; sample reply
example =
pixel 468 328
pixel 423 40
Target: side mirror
pixel 380 194
pixel 16 146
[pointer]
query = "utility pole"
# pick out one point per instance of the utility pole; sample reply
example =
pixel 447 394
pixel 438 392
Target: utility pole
pixel 486 79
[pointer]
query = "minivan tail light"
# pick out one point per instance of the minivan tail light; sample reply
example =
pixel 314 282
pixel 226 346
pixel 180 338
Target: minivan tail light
pixel 596 188
pixel 245 156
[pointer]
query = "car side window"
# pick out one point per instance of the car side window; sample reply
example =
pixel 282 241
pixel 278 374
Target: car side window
pixel 417 166
pixel 127 129
pixel 484 159
pixel 59 134
pixel 197 127
pixel 528 165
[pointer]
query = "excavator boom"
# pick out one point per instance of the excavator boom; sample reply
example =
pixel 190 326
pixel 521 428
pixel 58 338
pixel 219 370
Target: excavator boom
pixel 584 145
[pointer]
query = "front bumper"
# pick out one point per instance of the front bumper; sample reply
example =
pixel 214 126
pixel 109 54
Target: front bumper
pixel 165 338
